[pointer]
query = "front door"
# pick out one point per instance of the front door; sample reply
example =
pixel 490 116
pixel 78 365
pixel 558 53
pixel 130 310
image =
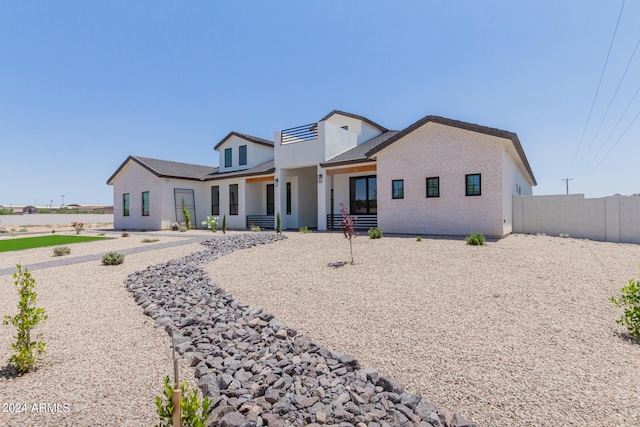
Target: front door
pixel 270 200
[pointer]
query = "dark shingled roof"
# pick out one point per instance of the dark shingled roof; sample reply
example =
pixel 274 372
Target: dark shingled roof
pixel 354 116
pixel 261 169
pixel 169 169
pixel 357 154
pixel 251 138
pixel 461 125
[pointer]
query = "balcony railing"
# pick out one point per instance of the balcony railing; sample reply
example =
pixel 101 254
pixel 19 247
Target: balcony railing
pixel 363 222
pixel 299 133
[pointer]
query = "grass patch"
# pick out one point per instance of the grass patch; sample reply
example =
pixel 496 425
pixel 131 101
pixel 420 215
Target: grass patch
pixel 42 241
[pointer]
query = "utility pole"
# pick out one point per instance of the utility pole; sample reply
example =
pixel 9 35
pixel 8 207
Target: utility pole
pixel 566 180
pixel 62 200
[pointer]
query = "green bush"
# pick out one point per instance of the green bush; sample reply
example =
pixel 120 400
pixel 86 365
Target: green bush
pixel 150 240
pixel 182 229
pixel 187 215
pixel 375 233
pixel 418 238
pixel 23 230
pixel 61 250
pixel 112 258
pixel 194 412
pixel 224 224
pixel 254 228
pixel 476 239
pixel 630 301
pixel 5 211
pixel 26 348
pixel 304 230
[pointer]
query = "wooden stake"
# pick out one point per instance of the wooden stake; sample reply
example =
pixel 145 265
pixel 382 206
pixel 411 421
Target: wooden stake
pixel 176 398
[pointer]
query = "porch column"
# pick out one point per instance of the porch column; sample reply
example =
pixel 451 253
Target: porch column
pixel 323 189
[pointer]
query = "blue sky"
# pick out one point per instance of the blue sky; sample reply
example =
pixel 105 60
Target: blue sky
pixel 85 84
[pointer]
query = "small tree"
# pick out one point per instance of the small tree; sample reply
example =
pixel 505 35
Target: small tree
pixel 348 227
pixel 194 412
pixel 630 301
pixel 78 226
pixel 187 216
pixel 27 318
pixel 224 224
pixel 278 224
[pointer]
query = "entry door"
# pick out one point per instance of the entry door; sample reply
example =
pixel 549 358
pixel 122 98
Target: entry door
pixel 270 200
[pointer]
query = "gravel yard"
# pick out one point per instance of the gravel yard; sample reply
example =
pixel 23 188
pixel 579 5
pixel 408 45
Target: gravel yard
pixel 516 333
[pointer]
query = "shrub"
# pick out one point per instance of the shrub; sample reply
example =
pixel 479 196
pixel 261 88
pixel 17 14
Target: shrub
pixel 5 211
pixel 375 233
pixel 278 224
pixel 78 226
pixel 61 250
pixel 125 234
pixel 112 258
pixel 304 230
pixel 23 230
pixel 211 222
pixel 194 412
pixel 187 215
pixel 182 229
pixel 476 239
pixel 53 231
pixel 254 228
pixel 418 238
pixel 348 227
pixel 150 240
pixel 26 348
pixel 100 234
pixel 224 224
pixel 630 301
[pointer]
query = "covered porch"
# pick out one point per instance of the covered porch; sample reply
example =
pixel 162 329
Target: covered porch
pixel 260 202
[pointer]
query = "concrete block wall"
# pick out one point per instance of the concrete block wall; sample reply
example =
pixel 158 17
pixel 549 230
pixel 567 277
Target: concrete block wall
pixel 611 219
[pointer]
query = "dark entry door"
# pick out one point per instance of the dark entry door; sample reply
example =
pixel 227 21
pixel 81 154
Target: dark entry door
pixel 270 199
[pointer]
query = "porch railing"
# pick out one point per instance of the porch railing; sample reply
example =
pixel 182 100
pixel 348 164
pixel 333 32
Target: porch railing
pixel 363 222
pixel 262 221
pixel 299 133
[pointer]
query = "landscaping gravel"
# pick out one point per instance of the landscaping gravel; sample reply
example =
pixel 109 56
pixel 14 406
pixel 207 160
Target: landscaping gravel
pixel 518 332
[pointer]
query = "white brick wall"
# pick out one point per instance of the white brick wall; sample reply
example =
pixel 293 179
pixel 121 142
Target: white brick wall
pixel 436 150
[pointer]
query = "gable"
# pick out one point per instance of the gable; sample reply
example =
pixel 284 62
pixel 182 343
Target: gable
pixel 244 138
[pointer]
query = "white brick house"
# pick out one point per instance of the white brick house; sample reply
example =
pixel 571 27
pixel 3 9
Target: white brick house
pixel 437 176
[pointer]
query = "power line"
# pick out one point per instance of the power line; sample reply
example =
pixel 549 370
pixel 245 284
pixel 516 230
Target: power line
pixel 614 144
pixel 614 128
pixel 610 103
pixel 598 88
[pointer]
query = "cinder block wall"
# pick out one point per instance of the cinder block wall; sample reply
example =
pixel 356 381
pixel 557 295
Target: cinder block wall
pixel 611 219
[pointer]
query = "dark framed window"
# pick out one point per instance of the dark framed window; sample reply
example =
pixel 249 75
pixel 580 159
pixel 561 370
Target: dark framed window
pixel 288 198
pixel 397 189
pixel 270 200
pixel 125 204
pixel 228 157
pixel 233 199
pixel 243 154
pixel 145 203
pixel 363 195
pixel 473 184
pixel 433 186
pixel 215 200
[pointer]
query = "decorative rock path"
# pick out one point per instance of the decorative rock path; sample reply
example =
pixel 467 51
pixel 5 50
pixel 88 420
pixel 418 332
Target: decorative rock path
pixel 258 372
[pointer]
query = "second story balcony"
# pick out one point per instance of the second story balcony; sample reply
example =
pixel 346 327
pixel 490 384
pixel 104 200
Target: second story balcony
pixel 299 134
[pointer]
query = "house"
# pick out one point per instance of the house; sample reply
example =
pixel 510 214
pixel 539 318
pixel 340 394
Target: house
pixel 437 176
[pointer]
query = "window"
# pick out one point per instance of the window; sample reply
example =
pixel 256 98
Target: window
pixel 288 198
pixel 125 204
pixel 145 203
pixel 233 199
pixel 243 155
pixel 363 195
pixel 433 187
pixel 270 200
pixel 345 127
pixel 227 158
pixel 473 184
pixel 215 200
pixel 397 189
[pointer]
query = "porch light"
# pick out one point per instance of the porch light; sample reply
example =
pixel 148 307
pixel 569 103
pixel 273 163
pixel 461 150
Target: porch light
pixel 275 183
pixel 319 178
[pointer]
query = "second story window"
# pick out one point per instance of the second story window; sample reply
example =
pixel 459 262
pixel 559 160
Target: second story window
pixel 227 158
pixel 243 154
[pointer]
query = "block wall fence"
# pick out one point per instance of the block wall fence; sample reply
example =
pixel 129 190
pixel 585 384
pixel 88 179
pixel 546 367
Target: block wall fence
pixel 607 219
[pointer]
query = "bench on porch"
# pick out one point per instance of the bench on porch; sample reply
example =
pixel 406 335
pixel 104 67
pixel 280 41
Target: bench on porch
pixel 262 221
pixel 363 222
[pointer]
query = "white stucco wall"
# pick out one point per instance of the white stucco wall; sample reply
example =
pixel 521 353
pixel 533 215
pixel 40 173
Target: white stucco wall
pixel 300 153
pixel 364 131
pixel 202 198
pixel 513 179
pixel 256 154
pixel 436 150
pixel 233 221
pixel 337 140
pixel 134 179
